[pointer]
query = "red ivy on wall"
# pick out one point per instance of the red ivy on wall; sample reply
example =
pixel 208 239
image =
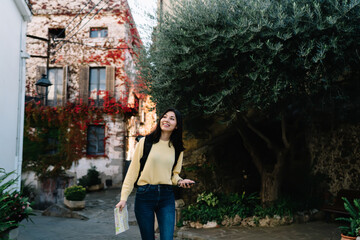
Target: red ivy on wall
pixel 70 125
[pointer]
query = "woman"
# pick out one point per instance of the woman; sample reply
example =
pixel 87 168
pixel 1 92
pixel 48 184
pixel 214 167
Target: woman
pixel 155 193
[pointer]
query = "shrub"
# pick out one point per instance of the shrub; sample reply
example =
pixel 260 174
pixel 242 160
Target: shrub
pixel 212 207
pixel 91 178
pixel 353 227
pixel 28 190
pixel 75 193
pixel 235 204
pixel 284 206
pixel 14 207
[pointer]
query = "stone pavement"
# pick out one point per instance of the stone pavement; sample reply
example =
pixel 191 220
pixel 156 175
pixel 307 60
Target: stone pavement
pixel 99 209
pixel 100 226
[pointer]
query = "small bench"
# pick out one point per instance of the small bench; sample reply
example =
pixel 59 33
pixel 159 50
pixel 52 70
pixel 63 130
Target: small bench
pixel 338 206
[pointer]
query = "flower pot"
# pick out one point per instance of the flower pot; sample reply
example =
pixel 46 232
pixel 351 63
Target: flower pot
pixel 343 237
pixel 74 205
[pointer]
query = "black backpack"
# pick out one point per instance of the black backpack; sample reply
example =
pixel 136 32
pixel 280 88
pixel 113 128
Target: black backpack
pixel 147 147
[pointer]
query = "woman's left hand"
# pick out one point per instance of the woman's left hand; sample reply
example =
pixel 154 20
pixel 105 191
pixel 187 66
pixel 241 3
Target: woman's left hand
pixel 186 183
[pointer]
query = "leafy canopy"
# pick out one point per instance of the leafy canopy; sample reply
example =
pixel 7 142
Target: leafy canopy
pixel 230 56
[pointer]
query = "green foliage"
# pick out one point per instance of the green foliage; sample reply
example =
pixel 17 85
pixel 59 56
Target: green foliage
pixel 208 198
pixel 281 207
pixel 75 193
pixel 44 147
pixel 14 207
pixel 210 207
pixel 27 190
pixel 91 178
pixel 242 205
pixel 6 181
pixel 229 56
pixel 201 213
pixel 353 229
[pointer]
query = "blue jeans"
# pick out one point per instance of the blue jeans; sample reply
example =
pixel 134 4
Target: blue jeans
pixel 157 199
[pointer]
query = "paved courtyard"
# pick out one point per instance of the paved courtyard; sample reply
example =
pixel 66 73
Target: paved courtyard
pixel 100 226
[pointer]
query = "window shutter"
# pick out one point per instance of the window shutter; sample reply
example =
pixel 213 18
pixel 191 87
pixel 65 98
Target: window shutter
pixel 65 81
pixel 110 80
pixel 84 83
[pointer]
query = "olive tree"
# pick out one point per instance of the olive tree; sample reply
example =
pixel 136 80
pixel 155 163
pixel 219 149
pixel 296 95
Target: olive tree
pixel 253 61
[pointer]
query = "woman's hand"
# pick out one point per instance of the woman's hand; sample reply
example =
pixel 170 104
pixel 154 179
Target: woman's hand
pixel 121 205
pixel 186 183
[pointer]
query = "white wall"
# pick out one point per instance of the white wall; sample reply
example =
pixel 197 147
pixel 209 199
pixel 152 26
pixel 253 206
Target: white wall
pixel 13 19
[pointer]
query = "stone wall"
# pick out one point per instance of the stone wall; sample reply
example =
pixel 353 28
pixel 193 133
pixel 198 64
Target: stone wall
pixel 218 163
pixel 322 160
pixel 335 155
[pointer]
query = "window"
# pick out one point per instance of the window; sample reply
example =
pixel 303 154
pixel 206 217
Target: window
pixel 97 85
pixel 52 146
pixel 98 32
pixel 57 33
pixel 55 94
pixel 95 79
pixel 96 140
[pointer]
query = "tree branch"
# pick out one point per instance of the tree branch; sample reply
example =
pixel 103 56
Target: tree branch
pixel 250 148
pixel 262 136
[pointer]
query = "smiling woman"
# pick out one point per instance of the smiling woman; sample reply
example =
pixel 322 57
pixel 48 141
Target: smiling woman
pixel 156 175
pixel 168 122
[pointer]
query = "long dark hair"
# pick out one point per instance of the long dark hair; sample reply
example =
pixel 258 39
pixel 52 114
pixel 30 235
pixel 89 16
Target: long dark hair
pixel 176 135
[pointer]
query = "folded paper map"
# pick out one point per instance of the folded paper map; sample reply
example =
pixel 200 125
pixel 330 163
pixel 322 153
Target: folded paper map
pixel 121 220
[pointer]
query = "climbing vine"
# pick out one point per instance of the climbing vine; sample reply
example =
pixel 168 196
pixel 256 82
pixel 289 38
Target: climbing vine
pixel 55 137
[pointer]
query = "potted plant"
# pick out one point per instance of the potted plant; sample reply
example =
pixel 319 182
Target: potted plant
pixel 14 207
pixel 74 197
pixel 91 181
pixel 352 230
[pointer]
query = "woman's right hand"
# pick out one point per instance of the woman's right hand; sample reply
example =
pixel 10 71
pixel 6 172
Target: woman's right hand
pixel 121 205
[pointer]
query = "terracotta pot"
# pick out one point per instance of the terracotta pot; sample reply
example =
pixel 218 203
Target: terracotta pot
pixel 343 237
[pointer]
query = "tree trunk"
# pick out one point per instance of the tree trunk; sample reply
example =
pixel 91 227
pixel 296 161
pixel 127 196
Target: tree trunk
pixel 271 183
pixel 270 187
pixel 271 179
pixel 271 175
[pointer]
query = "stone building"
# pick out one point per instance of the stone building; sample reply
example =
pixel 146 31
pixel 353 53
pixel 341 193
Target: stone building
pixel 91 54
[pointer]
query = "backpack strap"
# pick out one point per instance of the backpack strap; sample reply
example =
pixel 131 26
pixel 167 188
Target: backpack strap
pixel 147 147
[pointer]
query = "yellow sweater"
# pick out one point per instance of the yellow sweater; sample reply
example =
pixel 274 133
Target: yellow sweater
pixel 157 169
